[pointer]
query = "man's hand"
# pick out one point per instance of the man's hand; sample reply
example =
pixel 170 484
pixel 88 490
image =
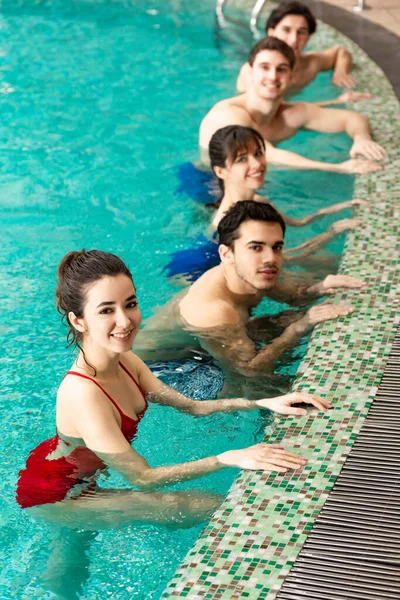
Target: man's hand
pixel 344 225
pixel 335 208
pixel 350 96
pixel 284 404
pixel 262 457
pixel 332 283
pixel 357 166
pixel 321 313
pixel 368 148
pixel 343 79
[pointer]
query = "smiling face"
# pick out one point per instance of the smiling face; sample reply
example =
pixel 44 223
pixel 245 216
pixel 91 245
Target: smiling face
pixel 256 254
pixel 292 29
pixel 111 315
pixel 271 74
pixel 246 170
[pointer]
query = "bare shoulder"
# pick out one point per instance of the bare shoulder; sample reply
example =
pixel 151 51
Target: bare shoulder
pixel 81 404
pixel 227 112
pixel 77 392
pixel 294 113
pixel 133 363
pixel 209 313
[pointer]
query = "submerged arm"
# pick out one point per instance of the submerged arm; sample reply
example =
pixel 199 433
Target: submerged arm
pixel 162 394
pixel 322 212
pixel 285 158
pixel 330 120
pixel 96 423
pixel 299 295
pixel 310 246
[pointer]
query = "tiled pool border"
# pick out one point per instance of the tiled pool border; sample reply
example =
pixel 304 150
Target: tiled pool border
pixel 249 546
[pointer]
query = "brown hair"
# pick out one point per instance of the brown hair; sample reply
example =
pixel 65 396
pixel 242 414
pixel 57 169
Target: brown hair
pixel 291 8
pixel 76 271
pixel 272 43
pixel 227 143
pixel 246 210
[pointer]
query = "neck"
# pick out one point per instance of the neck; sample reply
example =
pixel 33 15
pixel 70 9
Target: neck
pixel 236 193
pixel 299 62
pixel 244 293
pixel 261 110
pixel 105 362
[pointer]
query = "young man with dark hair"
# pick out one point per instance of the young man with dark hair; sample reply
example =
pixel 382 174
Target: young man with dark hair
pixel 262 107
pixel 215 312
pixel 293 23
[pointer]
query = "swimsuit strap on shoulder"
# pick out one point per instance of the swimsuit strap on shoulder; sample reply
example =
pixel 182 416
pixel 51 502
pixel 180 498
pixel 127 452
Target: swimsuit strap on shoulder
pixel 98 385
pixel 133 379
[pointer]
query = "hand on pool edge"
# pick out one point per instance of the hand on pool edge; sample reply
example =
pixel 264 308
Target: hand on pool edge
pixel 284 404
pixel 262 457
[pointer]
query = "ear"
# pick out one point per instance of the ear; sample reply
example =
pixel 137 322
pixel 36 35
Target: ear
pixel 220 172
pixel 76 322
pixel 270 32
pixel 225 254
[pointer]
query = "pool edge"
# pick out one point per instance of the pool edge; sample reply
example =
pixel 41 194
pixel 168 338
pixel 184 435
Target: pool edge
pixel 244 552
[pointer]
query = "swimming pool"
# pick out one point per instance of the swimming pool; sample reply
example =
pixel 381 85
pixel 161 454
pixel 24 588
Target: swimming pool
pixel 92 98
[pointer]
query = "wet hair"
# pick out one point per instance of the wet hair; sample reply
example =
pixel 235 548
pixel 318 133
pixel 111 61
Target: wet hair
pixel 76 272
pixel 272 43
pixel 246 210
pixel 291 8
pixel 226 144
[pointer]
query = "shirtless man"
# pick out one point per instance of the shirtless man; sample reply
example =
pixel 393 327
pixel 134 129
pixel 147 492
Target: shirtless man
pixel 293 23
pixel 215 312
pixel 263 109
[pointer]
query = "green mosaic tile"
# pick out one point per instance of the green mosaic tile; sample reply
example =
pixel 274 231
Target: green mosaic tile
pixel 252 541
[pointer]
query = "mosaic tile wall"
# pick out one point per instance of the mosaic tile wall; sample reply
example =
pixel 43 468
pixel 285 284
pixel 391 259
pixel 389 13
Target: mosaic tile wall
pixel 253 539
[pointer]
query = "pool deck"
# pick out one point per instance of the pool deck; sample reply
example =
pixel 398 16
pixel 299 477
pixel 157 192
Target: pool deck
pixel 250 545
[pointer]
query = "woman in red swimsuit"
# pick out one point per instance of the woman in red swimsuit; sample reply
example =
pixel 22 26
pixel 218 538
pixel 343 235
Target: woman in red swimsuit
pixel 100 403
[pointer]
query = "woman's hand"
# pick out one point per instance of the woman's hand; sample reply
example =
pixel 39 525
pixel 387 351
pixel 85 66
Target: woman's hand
pixel 284 404
pixel 351 96
pixel 262 457
pixel 335 208
pixel 344 225
pixel 357 166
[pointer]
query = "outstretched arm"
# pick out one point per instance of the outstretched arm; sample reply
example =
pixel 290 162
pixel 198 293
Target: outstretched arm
pixel 95 421
pixel 159 393
pixel 348 96
pixel 285 158
pixel 293 255
pixel 330 120
pixel 294 294
pixel 233 348
pixel 322 212
pixel 338 59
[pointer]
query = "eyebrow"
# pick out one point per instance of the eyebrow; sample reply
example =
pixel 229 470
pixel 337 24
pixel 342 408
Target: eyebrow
pixel 282 64
pixel 133 297
pixel 263 243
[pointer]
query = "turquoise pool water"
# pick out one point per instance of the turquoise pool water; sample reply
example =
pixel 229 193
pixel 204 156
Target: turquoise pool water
pixel 100 103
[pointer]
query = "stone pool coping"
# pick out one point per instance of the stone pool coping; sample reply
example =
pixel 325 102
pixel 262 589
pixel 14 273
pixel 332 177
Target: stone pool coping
pixel 252 541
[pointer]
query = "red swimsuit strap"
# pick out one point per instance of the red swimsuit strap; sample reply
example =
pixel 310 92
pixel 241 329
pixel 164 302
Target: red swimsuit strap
pixel 104 391
pixel 98 385
pixel 133 379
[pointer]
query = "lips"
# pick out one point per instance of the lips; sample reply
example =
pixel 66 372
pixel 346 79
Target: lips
pixel 257 175
pixel 268 273
pixel 122 336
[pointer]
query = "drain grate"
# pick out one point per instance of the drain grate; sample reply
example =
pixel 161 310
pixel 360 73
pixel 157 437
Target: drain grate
pixel 353 550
